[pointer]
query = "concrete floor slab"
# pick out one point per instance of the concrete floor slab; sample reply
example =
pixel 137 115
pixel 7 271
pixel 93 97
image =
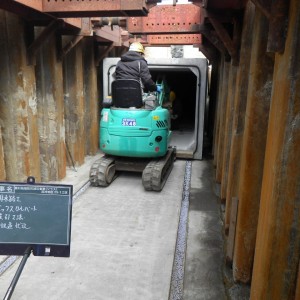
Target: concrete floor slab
pixel 123 243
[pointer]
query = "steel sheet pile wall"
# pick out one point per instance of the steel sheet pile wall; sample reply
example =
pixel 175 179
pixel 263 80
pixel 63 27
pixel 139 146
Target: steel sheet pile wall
pixel 257 133
pixel 18 103
pixel 74 106
pixel 50 107
pixel 91 100
pixel 47 119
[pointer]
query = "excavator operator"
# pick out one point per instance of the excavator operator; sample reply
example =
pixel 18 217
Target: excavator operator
pixel 134 66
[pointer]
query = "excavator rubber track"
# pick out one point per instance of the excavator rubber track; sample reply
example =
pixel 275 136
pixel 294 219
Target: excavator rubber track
pixel 102 172
pixel 157 171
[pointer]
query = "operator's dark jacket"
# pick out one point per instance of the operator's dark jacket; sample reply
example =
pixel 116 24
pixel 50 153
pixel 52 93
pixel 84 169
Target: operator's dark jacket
pixel 130 68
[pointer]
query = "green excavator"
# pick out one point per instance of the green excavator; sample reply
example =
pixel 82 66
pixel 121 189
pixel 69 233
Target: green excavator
pixel 134 136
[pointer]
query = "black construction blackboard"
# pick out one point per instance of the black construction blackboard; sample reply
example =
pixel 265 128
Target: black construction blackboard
pixel 37 215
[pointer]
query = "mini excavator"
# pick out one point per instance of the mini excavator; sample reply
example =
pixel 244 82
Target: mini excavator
pixel 134 136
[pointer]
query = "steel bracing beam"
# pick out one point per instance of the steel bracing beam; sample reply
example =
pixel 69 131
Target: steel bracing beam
pixel 167 39
pixel 103 53
pixel 264 6
pixel 174 39
pixel 96 8
pixel 212 37
pixel 224 37
pixel 32 11
pixel 277 13
pixel 45 35
pixel 166 19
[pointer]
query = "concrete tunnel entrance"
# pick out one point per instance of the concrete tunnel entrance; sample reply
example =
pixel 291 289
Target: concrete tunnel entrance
pixel 188 78
pixel 184 83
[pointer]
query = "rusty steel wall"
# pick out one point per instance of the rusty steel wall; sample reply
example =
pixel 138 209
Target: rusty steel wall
pixel 264 169
pixel 240 102
pixel 49 112
pixel 217 116
pixel 74 106
pixel 50 107
pixel 18 105
pixel 253 150
pixel 91 98
pixel 228 129
pixel 223 91
pixel 278 241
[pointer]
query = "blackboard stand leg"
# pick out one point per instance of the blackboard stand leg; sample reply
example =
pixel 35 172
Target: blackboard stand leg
pixel 18 274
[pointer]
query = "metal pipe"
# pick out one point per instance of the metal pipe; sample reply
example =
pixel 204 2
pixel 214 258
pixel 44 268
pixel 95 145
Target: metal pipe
pixel 18 274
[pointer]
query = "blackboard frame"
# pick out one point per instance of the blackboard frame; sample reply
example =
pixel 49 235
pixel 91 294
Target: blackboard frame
pixel 14 247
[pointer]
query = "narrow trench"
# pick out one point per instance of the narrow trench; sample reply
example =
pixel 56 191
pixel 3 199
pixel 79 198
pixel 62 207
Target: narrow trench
pixel 177 278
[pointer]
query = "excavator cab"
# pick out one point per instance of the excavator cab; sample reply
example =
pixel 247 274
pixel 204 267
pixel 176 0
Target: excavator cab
pixel 127 93
pixel 134 136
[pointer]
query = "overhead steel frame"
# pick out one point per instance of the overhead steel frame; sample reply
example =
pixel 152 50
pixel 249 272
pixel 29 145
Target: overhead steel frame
pixel 97 8
pixel 168 25
pixel 166 19
pixel 174 39
pixel 34 12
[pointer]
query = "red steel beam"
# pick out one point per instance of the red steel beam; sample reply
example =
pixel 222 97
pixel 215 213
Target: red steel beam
pixel 166 19
pixel 167 40
pixel 174 39
pixel 32 10
pixel 95 8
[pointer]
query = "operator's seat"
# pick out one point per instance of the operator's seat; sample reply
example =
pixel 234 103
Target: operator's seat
pixel 127 93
